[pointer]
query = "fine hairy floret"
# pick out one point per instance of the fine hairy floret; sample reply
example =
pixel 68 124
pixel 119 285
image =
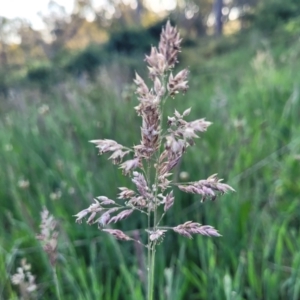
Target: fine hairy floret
pixel 24 279
pixel 48 235
pixel 164 140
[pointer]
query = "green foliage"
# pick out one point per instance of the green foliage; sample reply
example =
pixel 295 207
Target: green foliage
pixel 132 41
pixel 128 41
pixel 3 83
pixel 87 60
pixel 271 14
pixel 293 26
pixel 43 74
pixel 251 94
pixel 222 45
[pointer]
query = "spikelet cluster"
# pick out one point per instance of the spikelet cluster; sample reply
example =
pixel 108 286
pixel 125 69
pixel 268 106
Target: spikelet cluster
pixel 24 279
pixel 48 235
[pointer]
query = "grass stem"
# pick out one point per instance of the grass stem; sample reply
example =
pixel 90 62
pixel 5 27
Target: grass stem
pixel 56 284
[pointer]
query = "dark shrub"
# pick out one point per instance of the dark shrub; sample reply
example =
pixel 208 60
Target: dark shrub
pixel 88 60
pixel 41 74
pixel 3 83
pixel 273 13
pixel 130 41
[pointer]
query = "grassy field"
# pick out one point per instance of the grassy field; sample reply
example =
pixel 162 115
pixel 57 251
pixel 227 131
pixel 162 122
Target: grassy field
pixel 251 93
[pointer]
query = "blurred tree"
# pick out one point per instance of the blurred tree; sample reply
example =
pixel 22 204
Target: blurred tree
pixel 31 41
pixel 122 19
pixel 139 11
pixel 192 15
pixel 210 16
pixel 19 42
pixel 88 33
pixel 218 6
pixel 84 9
pixel 122 14
pixel 4 33
pixel 56 21
pixel 272 13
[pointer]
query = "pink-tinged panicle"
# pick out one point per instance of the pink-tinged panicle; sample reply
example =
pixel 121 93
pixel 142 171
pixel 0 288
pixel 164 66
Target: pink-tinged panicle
pixel 165 57
pixel 199 125
pixel 178 83
pixel 106 145
pixel 138 202
pixel 105 201
pixel 171 156
pixel 160 150
pixel 142 89
pixel 186 130
pixel 117 156
pixel 186 112
pixel 163 181
pixel 81 215
pixel 118 234
pixel 169 44
pixel 103 220
pixel 125 193
pixel 92 209
pixel 48 235
pixel 157 63
pixel 174 146
pixel 111 146
pixel 156 236
pixel 166 165
pixel 113 210
pixel 208 188
pixel 121 216
pixel 158 88
pixel 141 185
pixel 25 280
pixel 130 165
pixel 169 201
pixel 189 228
pixel 149 111
pixel 91 218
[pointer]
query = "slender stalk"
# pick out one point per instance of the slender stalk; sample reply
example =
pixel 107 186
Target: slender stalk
pixel 149 287
pixel 56 283
pixel 161 217
pixel 149 291
pixel 151 273
pixel 149 269
pixel 151 250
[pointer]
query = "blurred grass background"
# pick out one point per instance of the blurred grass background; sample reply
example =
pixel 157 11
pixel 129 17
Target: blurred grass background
pixel 248 85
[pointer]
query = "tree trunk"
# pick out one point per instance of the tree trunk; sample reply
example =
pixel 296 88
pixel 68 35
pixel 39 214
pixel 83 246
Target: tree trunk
pixel 218 5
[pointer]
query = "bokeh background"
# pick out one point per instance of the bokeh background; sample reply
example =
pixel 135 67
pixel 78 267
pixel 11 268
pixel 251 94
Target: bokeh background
pixel 66 78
